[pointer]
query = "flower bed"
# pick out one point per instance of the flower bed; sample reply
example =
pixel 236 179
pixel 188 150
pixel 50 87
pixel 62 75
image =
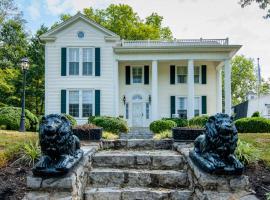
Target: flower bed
pixel 186 133
pixel 88 132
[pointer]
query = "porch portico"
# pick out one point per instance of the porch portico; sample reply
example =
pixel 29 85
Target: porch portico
pixel 151 100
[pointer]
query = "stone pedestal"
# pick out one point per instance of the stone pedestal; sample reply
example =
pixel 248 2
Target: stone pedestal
pixel 70 186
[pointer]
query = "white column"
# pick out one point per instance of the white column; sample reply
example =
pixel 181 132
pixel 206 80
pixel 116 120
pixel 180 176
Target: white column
pixel 116 88
pixel 227 84
pixel 190 109
pixel 154 103
pixel 219 89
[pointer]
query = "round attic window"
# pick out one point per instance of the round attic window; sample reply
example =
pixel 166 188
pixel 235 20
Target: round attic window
pixel 80 34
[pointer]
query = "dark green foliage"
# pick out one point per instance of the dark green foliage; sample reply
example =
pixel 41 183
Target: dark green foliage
pixel 111 124
pixel 10 119
pixel 199 121
pixel 256 114
pixel 179 122
pixel 162 125
pixel 71 119
pixel 253 125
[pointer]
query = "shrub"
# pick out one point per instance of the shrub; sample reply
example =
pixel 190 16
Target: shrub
pixel 198 121
pixel 163 135
pixel 110 124
pixel 253 125
pixel 247 153
pixel 71 119
pixel 10 119
pixel 179 122
pixel 109 136
pixel 256 114
pixel 162 125
pixel 85 127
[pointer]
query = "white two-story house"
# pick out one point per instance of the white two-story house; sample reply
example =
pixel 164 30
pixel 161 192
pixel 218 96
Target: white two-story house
pixel 89 71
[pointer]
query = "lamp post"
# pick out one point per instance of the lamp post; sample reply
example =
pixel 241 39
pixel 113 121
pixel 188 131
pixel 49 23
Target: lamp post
pixel 25 67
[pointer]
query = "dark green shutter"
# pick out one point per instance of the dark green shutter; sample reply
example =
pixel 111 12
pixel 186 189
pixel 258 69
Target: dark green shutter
pixel 172 105
pixel 63 101
pixel 172 74
pixel 97 102
pixel 127 75
pixel 146 74
pixel 204 74
pixel 97 61
pixel 204 105
pixel 63 61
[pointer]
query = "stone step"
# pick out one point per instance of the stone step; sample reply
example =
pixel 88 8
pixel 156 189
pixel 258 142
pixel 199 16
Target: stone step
pixel 148 159
pixel 136 135
pixel 109 177
pixel 136 194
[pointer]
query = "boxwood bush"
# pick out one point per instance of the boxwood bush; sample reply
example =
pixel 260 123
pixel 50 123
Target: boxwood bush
pixel 253 125
pixel 162 125
pixel 179 122
pixel 256 114
pixel 10 119
pixel 198 121
pixel 111 124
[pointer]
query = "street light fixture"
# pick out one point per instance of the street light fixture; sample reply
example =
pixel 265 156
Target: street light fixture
pixel 25 67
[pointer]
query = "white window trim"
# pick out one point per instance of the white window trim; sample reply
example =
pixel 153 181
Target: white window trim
pixel 80 101
pixel 200 74
pixel 81 61
pixel 200 103
pixel 131 74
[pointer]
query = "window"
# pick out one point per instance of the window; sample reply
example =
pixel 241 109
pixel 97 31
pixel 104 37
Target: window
pixel 147 106
pixel 181 74
pixel 137 74
pixel 181 105
pixel 137 97
pixel 87 103
pixel 196 74
pixel 74 103
pixel 87 61
pixel 73 61
pixel 127 110
pixel 197 106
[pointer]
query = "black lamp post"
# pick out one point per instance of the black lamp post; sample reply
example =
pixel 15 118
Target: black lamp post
pixel 25 67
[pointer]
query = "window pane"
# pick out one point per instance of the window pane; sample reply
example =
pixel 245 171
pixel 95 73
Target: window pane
pixel 74 103
pixel 137 74
pixel 87 68
pixel 87 55
pixel 182 78
pixel 181 74
pixel 127 109
pixel 196 70
pixel 87 103
pixel 73 54
pixel 73 68
pixel 182 107
pixel 196 78
pixel 147 110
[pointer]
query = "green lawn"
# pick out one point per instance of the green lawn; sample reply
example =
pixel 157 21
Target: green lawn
pixel 261 141
pixel 11 143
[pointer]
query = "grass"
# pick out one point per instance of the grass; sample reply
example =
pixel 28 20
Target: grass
pixel 12 142
pixel 261 141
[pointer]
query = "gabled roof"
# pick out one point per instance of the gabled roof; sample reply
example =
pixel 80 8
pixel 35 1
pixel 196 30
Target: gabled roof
pixel 79 16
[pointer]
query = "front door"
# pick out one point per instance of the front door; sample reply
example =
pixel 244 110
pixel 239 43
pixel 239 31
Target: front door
pixel 137 114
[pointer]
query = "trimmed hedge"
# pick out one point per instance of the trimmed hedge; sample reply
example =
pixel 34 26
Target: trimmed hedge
pixel 179 122
pixel 162 125
pixel 10 119
pixel 253 125
pixel 111 124
pixel 256 114
pixel 199 121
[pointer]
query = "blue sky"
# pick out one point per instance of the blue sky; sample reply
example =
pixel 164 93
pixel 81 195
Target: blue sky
pixel 186 18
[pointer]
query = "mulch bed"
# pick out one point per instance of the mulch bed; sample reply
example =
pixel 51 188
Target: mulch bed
pixel 13 182
pixel 259 177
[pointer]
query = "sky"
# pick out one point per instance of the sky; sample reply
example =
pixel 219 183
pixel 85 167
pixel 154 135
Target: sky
pixel 188 19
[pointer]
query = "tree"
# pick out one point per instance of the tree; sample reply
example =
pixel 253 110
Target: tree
pixel 243 78
pixel 265 87
pixel 9 10
pixel 263 4
pixel 122 20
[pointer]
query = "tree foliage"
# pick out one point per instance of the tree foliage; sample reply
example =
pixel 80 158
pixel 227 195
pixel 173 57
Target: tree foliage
pixel 263 4
pixel 122 20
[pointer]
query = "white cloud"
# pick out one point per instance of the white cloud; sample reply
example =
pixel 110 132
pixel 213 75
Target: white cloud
pixel 34 10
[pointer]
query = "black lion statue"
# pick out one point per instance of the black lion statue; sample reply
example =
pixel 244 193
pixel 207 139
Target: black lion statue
pixel 214 150
pixel 60 148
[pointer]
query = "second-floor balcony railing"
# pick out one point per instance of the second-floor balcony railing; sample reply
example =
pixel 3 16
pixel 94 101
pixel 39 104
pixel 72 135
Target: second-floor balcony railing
pixel 170 43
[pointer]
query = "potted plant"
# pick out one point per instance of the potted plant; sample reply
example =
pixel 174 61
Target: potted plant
pixel 88 132
pixel 188 134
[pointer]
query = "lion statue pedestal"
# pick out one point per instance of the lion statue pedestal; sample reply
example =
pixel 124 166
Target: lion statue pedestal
pixel 214 151
pixel 60 148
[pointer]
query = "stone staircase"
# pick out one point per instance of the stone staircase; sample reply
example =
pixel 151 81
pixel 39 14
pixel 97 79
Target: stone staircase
pixel 138 175
pixel 137 133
